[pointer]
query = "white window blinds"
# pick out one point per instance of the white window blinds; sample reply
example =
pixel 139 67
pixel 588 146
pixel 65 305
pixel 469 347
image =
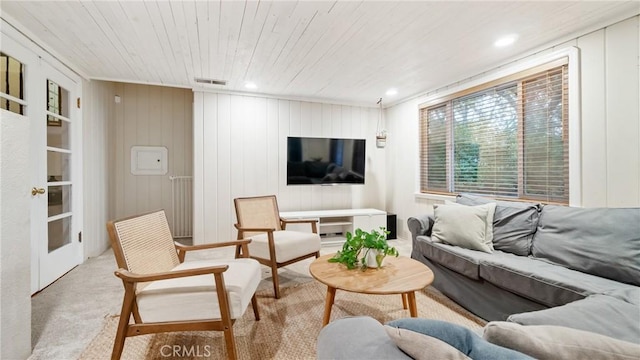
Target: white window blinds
pixel 504 140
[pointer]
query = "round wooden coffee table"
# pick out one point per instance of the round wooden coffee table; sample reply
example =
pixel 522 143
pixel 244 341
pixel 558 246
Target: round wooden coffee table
pixel 401 275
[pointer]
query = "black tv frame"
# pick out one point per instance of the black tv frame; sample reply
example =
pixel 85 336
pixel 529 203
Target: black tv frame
pixel 336 161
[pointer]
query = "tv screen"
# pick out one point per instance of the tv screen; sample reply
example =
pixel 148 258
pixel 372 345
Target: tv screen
pixel 325 161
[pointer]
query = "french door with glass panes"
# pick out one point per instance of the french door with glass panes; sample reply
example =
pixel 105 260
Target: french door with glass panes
pixel 56 214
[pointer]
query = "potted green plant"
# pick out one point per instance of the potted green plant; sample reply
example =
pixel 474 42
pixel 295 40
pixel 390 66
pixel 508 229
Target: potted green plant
pixel 365 249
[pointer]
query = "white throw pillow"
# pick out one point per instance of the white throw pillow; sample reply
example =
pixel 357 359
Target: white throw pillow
pixel 423 347
pixel 558 342
pixel 489 223
pixel 470 227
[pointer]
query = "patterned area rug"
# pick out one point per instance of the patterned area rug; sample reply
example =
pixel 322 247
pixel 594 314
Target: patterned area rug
pixel 288 327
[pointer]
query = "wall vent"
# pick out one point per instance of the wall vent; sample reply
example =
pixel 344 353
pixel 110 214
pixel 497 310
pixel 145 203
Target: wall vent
pixel 210 81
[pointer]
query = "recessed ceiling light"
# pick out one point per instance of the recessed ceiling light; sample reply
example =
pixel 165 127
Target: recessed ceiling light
pixel 250 85
pixel 392 92
pixel 505 40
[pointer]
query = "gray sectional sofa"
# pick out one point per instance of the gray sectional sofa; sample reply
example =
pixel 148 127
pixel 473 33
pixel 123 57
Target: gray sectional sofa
pixel 551 265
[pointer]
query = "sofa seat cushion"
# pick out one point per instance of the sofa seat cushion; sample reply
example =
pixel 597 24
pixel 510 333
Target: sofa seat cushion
pixel 195 297
pixel 598 313
pixel 514 223
pixel 599 241
pixel 461 260
pixel 289 245
pixel 546 283
pixel 628 294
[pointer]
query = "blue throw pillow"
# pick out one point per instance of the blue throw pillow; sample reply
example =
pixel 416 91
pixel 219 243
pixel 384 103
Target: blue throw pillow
pixel 463 339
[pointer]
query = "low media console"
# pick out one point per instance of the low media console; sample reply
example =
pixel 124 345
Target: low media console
pixel 334 224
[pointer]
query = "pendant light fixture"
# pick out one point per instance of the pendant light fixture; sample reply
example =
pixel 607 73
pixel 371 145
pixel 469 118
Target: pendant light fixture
pixel 381 134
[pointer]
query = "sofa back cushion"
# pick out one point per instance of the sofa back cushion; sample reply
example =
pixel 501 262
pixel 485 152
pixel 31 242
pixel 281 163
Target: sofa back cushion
pixel 599 241
pixel 514 223
pixel 558 342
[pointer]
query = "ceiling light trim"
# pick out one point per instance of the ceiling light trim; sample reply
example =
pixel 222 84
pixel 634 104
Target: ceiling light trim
pixel 506 40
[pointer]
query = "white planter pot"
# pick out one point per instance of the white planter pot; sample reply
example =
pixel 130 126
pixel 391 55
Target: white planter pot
pixel 371 258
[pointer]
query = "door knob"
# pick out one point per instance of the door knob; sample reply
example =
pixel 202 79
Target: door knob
pixel 35 191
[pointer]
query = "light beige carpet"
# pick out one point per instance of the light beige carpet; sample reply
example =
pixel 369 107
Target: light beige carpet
pixel 288 327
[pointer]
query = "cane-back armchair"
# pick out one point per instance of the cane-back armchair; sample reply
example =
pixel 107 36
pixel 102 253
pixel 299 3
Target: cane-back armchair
pixel 271 243
pixel 165 293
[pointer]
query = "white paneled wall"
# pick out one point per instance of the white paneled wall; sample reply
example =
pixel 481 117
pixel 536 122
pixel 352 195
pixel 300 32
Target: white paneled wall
pixel 240 149
pixel 97 114
pixel 148 116
pixel 610 127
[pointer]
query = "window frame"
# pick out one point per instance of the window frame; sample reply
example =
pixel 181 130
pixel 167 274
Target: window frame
pixel 515 71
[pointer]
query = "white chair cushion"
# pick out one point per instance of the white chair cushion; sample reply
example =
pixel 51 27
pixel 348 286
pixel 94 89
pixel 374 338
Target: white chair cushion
pixel 289 245
pixel 195 297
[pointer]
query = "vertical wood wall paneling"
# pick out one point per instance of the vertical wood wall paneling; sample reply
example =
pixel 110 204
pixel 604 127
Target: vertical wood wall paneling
pixel 623 163
pixel 142 129
pixel 262 172
pixel 167 140
pixel 352 127
pixel 130 120
pixel 210 163
pixel 98 110
pixel 251 153
pixel 154 123
pixel 238 140
pixel 594 125
pixel 199 222
pixel 250 145
pixel 326 132
pixel 295 129
pixel 316 128
pixel 273 144
pixel 226 219
pixel 118 160
pixel 283 132
pixel 150 116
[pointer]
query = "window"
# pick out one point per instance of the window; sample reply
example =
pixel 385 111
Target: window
pixel 54 102
pixel 507 138
pixel 11 84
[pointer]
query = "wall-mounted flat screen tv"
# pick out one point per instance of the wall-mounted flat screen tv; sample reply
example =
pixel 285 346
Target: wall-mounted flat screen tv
pixel 325 161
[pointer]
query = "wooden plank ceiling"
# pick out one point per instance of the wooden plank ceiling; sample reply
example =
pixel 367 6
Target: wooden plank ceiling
pixel 345 51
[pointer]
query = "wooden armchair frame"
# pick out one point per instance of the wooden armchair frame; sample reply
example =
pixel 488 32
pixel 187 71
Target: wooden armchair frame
pixel 281 225
pixel 129 303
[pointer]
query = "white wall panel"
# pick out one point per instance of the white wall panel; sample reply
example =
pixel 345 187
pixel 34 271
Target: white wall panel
pixel 623 163
pixel 273 144
pixel 293 193
pixel 225 168
pixel 238 143
pixel 97 115
pixel 198 170
pixel 610 103
pixel 250 156
pixel 210 165
pixel 284 114
pixel 594 125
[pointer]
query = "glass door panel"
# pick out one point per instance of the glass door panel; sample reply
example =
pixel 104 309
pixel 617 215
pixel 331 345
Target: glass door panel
pixel 58 166
pixel 59 232
pixel 59 200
